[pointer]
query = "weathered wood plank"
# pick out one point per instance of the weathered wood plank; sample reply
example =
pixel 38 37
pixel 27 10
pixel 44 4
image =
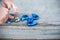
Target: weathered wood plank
pixel 42 32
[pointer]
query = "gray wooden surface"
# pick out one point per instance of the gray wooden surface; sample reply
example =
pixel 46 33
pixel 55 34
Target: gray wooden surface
pixel 23 32
pixel 49 12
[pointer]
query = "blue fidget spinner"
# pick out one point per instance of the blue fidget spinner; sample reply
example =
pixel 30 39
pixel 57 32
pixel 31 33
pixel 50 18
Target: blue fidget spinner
pixel 30 19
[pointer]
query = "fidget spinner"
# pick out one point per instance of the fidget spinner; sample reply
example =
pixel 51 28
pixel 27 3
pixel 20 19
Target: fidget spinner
pixel 30 19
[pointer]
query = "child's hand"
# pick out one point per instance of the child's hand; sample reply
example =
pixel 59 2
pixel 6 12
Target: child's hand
pixel 9 4
pixel 4 15
pixel 4 10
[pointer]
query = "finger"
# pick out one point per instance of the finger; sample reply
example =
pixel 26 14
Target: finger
pixel 10 16
pixel 15 8
pixel 6 5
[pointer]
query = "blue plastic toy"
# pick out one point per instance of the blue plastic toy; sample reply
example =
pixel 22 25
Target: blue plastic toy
pixel 30 19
